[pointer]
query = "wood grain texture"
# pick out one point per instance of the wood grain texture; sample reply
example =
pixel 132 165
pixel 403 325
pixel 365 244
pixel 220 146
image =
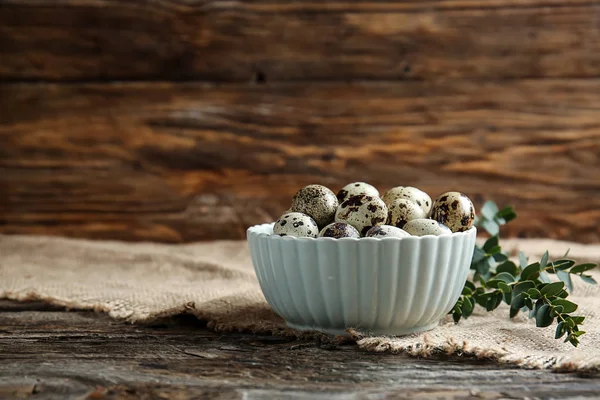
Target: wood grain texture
pixel 183 162
pixel 51 354
pixel 83 40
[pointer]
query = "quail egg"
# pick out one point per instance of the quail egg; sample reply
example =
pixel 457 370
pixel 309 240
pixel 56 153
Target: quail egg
pixel 318 202
pixel 339 230
pixel 424 226
pixel 362 212
pixel 400 211
pixel 296 224
pixel 455 210
pixel 413 194
pixel 355 188
pixel 381 231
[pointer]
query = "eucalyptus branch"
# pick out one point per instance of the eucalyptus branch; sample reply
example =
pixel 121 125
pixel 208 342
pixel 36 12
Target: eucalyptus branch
pixel 526 286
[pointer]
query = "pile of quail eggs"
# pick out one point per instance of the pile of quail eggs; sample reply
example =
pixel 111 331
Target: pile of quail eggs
pixel 358 211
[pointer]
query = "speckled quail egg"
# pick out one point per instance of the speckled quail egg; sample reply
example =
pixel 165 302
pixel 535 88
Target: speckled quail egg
pixel 296 224
pixel 362 212
pixel 455 210
pixel 316 201
pixel 382 231
pixel 424 226
pixel 400 211
pixel 339 230
pixel 413 194
pixel 356 188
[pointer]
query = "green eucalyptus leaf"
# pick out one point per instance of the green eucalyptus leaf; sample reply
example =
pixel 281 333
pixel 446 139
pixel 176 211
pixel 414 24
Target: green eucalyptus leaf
pixel 588 279
pixel 505 277
pixel 490 244
pixel 470 285
pixel 555 311
pixel 578 320
pixel 456 316
pixel 544 277
pixel 529 303
pixel 507 214
pixel 506 292
pixel 534 293
pixel 522 260
pixel 504 287
pixel 522 287
pixel 518 301
pixel 539 303
pixel 563 294
pixel 508 267
pixel 483 268
pixel 499 297
pixel 563 264
pixel 500 257
pixel 493 283
pixel 552 289
pixel 532 271
pixel 543 317
pixel 560 330
pixel 494 250
pixel 514 311
pixel 582 268
pixel 490 303
pixel 490 226
pixel 478 255
pixel 467 307
pixel 566 278
pixel 482 299
pixel 544 260
pixel 489 209
pixel 467 291
pixel 568 306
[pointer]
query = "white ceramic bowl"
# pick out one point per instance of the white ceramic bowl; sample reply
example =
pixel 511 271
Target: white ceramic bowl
pixel 381 286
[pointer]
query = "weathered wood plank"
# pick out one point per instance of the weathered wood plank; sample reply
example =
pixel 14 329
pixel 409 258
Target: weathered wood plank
pixel 297 40
pixel 181 162
pixel 46 354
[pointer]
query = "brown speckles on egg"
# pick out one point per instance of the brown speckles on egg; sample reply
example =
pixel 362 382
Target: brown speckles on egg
pixel 362 212
pixel 454 210
pixel 342 195
pixel 339 230
pixel 410 193
pixel 356 188
pixel 302 225
pixel 382 231
pixel 354 201
pixel 317 201
pixel 402 210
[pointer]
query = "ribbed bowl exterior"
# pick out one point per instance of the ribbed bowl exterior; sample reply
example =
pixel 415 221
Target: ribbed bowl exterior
pixel 388 286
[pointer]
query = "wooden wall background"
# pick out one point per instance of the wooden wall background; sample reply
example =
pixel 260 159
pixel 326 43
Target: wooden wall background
pixel 183 120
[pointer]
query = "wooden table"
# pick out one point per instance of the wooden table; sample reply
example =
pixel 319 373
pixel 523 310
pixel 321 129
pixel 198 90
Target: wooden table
pixel 49 353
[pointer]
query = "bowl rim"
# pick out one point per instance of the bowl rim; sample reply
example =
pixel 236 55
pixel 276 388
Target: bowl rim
pixel 258 231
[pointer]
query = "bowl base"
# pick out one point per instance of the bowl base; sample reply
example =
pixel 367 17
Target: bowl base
pixel 370 332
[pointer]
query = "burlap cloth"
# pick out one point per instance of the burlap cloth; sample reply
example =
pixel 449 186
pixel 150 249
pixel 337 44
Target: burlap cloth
pixel 216 282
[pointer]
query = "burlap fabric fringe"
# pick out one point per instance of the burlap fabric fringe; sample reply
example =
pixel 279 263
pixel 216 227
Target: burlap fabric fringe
pixel 215 282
